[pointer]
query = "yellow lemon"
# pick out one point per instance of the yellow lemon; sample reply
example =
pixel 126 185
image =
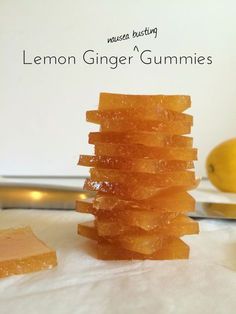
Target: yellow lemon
pixel 221 166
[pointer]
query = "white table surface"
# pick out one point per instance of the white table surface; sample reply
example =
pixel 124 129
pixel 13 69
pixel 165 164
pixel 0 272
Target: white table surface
pixel 206 283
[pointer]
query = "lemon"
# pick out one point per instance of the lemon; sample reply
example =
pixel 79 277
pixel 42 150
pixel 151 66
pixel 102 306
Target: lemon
pixel 221 166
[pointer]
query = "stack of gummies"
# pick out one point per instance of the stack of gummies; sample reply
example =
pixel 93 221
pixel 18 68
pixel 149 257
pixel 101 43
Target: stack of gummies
pixel 141 172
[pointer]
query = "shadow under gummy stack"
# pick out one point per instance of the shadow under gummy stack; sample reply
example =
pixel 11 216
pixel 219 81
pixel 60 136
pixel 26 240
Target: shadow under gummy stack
pixel 141 172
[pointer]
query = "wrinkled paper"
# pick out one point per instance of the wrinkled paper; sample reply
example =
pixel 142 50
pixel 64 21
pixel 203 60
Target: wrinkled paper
pixel 206 283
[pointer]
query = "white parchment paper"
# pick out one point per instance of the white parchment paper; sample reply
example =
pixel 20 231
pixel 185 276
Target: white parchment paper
pixel 206 283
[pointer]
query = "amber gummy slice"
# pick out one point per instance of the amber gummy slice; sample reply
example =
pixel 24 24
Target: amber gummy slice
pixel 135 239
pixel 173 249
pixel 166 127
pixel 111 223
pixel 141 243
pixel 135 192
pixel 134 165
pixel 97 116
pixel 161 179
pixel 145 138
pixel 141 185
pixel 87 230
pixel 22 252
pixel 146 220
pixel 177 103
pixel 175 227
pixel 141 151
pixel 178 202
pixel 168 200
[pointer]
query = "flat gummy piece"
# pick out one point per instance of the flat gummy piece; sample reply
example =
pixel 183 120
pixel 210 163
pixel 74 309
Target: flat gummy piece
pixel 141 151
pixel 22 252
pixel 87 230
pixel 145 138
pixel 165 200
pixel 161 114
pixel 137 240
pixel 143 219
pixel 177 227
pixel 166 127
pixel 174 249
pixel 134 165
pixel 134 192
pixel 144 243
pixel 139 178
pixel 177 103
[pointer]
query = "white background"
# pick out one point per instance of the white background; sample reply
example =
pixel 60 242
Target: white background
pixel 42 107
